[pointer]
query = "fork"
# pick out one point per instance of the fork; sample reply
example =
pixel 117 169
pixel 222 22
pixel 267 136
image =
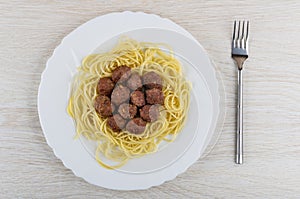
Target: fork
pixel 239 52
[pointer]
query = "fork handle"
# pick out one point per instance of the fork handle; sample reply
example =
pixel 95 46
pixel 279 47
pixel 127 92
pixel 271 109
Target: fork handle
pixel 239 127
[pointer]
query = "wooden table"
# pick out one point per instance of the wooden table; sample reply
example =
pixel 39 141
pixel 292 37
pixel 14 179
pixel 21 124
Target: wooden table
pixel 29 32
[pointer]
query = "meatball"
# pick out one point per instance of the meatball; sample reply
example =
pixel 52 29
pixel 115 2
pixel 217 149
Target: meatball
pixel 105 86
pixel 152 80
pixel 149 113
pixel 116 123
pixel 121 74
pixel 134 82
pixel 138 98
pixel 103 106
pixel 127 111
pixel 154 96
pixel 136 126
pixel 120 94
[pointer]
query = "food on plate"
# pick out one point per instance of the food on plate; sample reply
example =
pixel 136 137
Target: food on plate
pixel 129 100
pixel 116 122
pixel 127 111
pixel 111 95
pixel 105 86
pixel 138 98
pixel 135 82
pixel 121 74
pixel 136 126
pixel 154 96
pixel 149 113
pixel 103 106
pixel 120 94
pixel 152 80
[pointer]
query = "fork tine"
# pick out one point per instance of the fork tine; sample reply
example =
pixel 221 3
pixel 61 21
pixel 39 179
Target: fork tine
pixel 238 37
pixel 247 30
pixel 238 24
pixel 243 29
pixel 234 29
pixel 246 35
pixel 234 35
pixel 242 35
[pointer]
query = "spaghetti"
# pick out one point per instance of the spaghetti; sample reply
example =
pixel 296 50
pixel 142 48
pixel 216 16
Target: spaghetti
pixel 142 58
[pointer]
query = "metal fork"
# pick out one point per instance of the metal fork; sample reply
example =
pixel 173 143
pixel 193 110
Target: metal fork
pixel 239 53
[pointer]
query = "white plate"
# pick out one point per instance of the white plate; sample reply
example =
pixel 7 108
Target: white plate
pixel 150 170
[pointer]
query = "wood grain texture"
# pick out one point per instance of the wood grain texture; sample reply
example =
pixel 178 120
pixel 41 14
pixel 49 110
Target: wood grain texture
pixel 29 32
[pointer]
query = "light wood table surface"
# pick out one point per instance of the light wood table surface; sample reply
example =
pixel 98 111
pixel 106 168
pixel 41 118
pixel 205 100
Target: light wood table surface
pixel 29 32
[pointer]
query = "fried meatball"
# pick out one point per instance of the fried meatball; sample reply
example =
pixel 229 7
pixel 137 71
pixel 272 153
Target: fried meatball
pixel 120 94
pixel 116 123
pixel 149 113
pixel 138 98
pixel 105 86
pixel 154 96
pixel 103 106
pixel 152 80
pixel 121 74
pixel 136 126
pixel 134 82
pixel 127 111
